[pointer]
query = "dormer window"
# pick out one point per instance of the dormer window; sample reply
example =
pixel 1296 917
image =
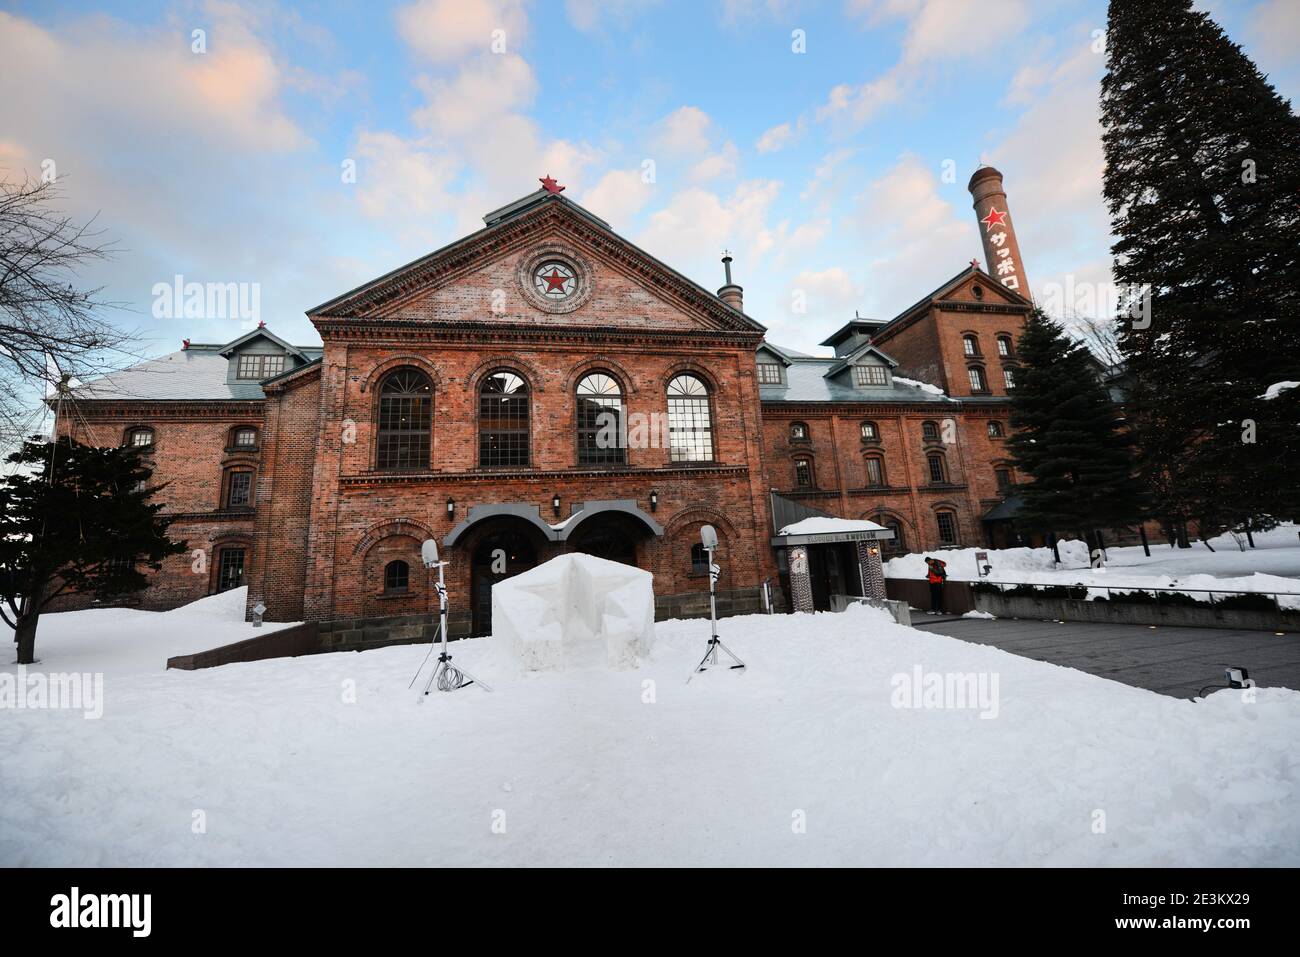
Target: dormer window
pixel 258 367
pixel 867 376
pixel 769 373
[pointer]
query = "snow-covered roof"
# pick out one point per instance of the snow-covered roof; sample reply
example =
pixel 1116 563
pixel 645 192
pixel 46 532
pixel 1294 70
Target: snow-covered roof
pixel 822 526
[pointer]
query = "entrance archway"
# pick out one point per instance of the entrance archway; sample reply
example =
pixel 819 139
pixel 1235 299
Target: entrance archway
pixel 609 535
pixel 501 551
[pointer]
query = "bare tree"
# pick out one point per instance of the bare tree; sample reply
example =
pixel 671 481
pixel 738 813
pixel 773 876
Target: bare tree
pixel 50 328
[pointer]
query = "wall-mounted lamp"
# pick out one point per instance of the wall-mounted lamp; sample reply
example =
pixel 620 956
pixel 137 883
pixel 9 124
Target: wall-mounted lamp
pixel 555 504
pixel 451 507
pixel 654 500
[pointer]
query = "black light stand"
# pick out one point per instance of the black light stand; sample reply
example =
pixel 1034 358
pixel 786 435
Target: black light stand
pixel 709 538
pixel 445 675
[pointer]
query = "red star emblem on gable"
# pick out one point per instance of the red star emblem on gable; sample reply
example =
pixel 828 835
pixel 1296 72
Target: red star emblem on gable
pixel 549 184
pixel 555 281
pixel 994 218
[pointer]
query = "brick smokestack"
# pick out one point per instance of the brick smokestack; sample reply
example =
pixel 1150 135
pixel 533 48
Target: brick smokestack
pixel 731 294
pixel 1001 251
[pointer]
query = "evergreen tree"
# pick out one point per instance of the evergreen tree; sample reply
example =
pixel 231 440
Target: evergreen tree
pixel 1069 439
pixel 74 518
pixel 1202 179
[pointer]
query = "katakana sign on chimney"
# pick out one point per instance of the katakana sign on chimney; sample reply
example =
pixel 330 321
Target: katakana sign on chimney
pixel 1001 251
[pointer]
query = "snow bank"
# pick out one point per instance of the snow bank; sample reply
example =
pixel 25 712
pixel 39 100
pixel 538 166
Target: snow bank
pixel 818 525
pixel 573 611
pixel 117 641
pixel 1190 570
pixel 585 769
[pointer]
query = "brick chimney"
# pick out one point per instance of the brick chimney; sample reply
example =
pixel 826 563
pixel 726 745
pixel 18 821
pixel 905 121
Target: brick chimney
pixel 1001 251
pixel 731 294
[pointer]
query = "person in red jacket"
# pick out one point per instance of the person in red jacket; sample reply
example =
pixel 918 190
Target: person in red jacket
pixel 936 575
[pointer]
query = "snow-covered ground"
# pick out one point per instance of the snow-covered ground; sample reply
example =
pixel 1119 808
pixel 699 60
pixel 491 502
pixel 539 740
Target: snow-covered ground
pixel 1272 566
pixel 805 759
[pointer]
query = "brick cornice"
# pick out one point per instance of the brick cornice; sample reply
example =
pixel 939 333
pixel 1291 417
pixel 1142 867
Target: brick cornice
pixel 497 477
pixel 506 333
pixel 184 410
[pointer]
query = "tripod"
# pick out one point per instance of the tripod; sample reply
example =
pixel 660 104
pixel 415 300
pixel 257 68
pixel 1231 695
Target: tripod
pixel 711 655
pixel 446 675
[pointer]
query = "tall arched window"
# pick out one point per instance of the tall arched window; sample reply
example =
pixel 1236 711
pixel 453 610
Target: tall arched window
pixel 405 418
pixel 600 421
pixel 874 466
pixel 897 546
pixel 503 421
pixel 804 477
pixel 690 424
pixel 970 345
pixel 938 476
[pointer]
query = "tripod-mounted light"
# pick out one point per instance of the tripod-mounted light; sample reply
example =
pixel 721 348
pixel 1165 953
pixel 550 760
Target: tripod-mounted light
pixel 447 676
pixel 709 539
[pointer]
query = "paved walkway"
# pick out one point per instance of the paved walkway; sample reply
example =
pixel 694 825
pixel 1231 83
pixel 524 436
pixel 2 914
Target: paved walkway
pixel 1173 661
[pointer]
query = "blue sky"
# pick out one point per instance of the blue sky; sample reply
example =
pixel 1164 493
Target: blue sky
pixel 822 170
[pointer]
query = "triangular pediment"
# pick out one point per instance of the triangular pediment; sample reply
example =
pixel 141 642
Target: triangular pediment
pixel 977 286
pixel 499 274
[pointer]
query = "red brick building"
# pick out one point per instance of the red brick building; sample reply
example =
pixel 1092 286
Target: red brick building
pixel 470 397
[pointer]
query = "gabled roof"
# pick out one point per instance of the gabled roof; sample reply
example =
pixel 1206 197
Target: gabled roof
pixel 778 354
pixel 534 208
pixel 261 332
pixel 941 291
pixel 857 324
pixel 848 360
pixel 806 381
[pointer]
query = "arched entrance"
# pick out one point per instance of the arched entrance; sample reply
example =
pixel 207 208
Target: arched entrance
pixel 502 551
pixel 609 535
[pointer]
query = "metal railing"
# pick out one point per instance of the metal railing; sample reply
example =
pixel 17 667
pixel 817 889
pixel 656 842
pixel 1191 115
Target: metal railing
pixel 1155 589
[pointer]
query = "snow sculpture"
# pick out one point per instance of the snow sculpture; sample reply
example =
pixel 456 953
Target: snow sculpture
pixel 575 611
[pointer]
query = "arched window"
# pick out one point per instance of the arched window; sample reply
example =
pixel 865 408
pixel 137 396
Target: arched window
pixel 803 473
pixel 970 345
pixel 947 524
pixel 1004 345
pixel 1004 479
pixel 897 546
pixel 397 577
pixel 600 420
pixel 238 491
pixel 405 418
pixel 938 475
pixel 798 432
pixel 699 560
pixel 976 376
pixel 1009 378
pixel 503 421
pixel 995 429
pixel 930 431
pixel 870 433
pixel 690 424
pixel 243 437
pixel 874 466
pixel 140 437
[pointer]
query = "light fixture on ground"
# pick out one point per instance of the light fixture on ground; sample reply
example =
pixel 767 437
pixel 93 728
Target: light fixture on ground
pixel 709 539
pixel 445 675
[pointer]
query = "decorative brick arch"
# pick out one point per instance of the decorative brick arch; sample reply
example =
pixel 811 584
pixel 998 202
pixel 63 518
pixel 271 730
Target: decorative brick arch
pixel 705 516
pixel 395 362
pixel 599 364
pixel 695 368
pixel 506 363
pixel 388 528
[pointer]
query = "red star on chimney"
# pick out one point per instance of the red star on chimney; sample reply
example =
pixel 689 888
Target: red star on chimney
pixel 549 184
pixel 994 218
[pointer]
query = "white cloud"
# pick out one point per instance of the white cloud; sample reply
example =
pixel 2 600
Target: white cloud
pixel 719 165
pixel 695 226
pixel 445 31
pixel 828 294
pixel 484 89
pixel 686 130
pixel 618 196
pixel 590 15
pixel 776 138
